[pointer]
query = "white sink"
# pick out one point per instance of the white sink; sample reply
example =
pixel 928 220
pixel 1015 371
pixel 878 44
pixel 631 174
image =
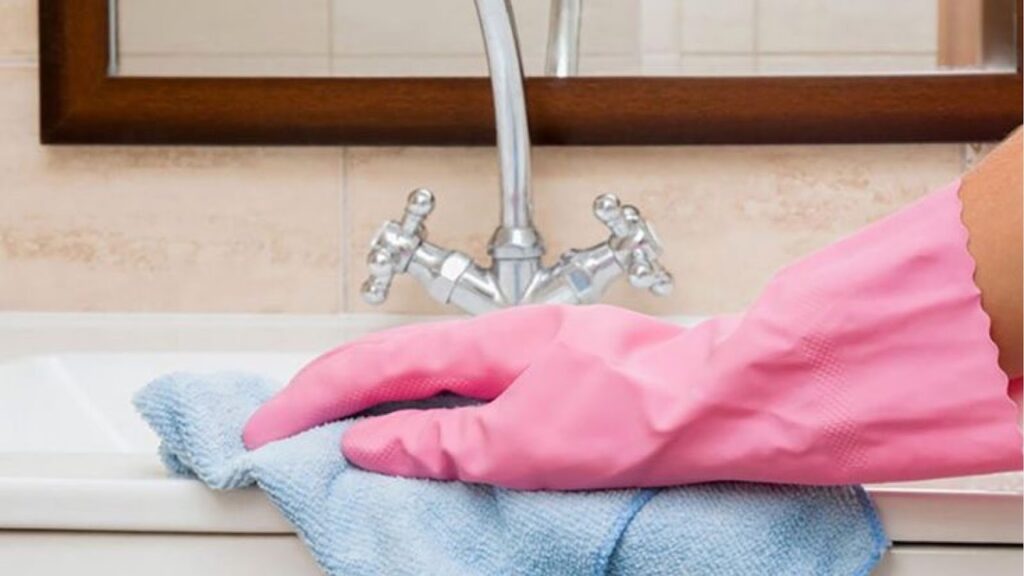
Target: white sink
pixel 81 402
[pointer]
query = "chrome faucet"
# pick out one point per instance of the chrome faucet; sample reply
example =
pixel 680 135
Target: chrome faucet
pixel 516 275
pixel 564 38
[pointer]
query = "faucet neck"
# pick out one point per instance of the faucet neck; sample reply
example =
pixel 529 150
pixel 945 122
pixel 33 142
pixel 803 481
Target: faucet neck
pixel 513 134
pixel 564 38
pixel 516 247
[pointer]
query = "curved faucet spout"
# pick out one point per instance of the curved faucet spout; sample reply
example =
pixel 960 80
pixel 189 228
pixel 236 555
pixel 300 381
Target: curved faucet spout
pixel 516 247
pixel 502 44
pixel 563 58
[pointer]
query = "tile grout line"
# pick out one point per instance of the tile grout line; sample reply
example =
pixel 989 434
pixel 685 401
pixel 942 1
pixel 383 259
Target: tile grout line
pixel 330 42
pixel 16 61
pixel 679 23
pixel 755 21
pixel 343 272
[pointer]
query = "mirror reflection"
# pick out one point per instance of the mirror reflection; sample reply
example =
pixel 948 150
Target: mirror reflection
pixel 409 38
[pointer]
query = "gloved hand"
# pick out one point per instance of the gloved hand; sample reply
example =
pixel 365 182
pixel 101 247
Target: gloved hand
pixel 868 361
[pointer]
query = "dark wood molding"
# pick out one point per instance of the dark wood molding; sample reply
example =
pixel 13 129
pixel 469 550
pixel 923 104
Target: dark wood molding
pixel 82 104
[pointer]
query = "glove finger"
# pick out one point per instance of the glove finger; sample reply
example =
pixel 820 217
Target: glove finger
pixel 443 444
pixel 476 358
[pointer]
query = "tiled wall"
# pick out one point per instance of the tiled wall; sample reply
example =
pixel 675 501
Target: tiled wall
pixel 285 229
pixel 442 37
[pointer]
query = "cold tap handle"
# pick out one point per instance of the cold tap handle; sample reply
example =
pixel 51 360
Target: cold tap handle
pixel 394 245
pixel 616 217
pixel 646 272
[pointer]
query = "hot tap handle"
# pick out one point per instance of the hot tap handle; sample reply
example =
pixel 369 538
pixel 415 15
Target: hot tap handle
pixel 636 246
pixel 418 206
pixel 394 245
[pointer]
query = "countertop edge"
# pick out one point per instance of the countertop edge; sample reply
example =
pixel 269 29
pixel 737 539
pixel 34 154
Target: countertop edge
pixel 172 505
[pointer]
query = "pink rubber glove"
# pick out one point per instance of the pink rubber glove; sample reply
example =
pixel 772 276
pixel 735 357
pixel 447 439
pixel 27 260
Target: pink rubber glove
pixel 868 361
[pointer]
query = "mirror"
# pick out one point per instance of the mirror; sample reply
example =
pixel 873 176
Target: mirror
pixel 650 71
pixel 432 38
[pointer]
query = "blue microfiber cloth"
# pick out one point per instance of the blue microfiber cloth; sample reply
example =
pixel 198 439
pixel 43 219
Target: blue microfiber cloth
pixel 358 522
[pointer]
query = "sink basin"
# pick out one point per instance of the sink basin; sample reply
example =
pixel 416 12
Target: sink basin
pixel 81 402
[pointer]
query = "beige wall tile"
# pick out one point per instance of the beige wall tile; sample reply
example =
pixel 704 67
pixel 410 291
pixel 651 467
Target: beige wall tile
pixel 162 229
pixel 729 216
pixel 476 65
pixel 661 64
pixel 659 26
pixel 18 28
pixel 437 27
pixel 716 26
pixel 368 65
pixel 847 26
pixel 224 27
pixel 609 27
pixel 424 35
pixel 224 66
pixel 811 197
pixel 777 64
pixel 718 65
pixel 629 65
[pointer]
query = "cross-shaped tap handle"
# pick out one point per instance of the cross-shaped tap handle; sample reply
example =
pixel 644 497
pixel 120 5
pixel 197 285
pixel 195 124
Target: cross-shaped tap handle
pixel 621 220
pixel 635 245
pixel 418 206
pixel 394 245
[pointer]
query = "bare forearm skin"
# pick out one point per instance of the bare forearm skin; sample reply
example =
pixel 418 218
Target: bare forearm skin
pixel 991 196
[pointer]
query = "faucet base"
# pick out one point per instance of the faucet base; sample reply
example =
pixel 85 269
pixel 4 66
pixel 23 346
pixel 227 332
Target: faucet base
pixel 516 275
pixel 515 255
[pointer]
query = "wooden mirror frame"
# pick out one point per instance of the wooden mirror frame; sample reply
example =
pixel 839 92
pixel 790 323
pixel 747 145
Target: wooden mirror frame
pixel 82 104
